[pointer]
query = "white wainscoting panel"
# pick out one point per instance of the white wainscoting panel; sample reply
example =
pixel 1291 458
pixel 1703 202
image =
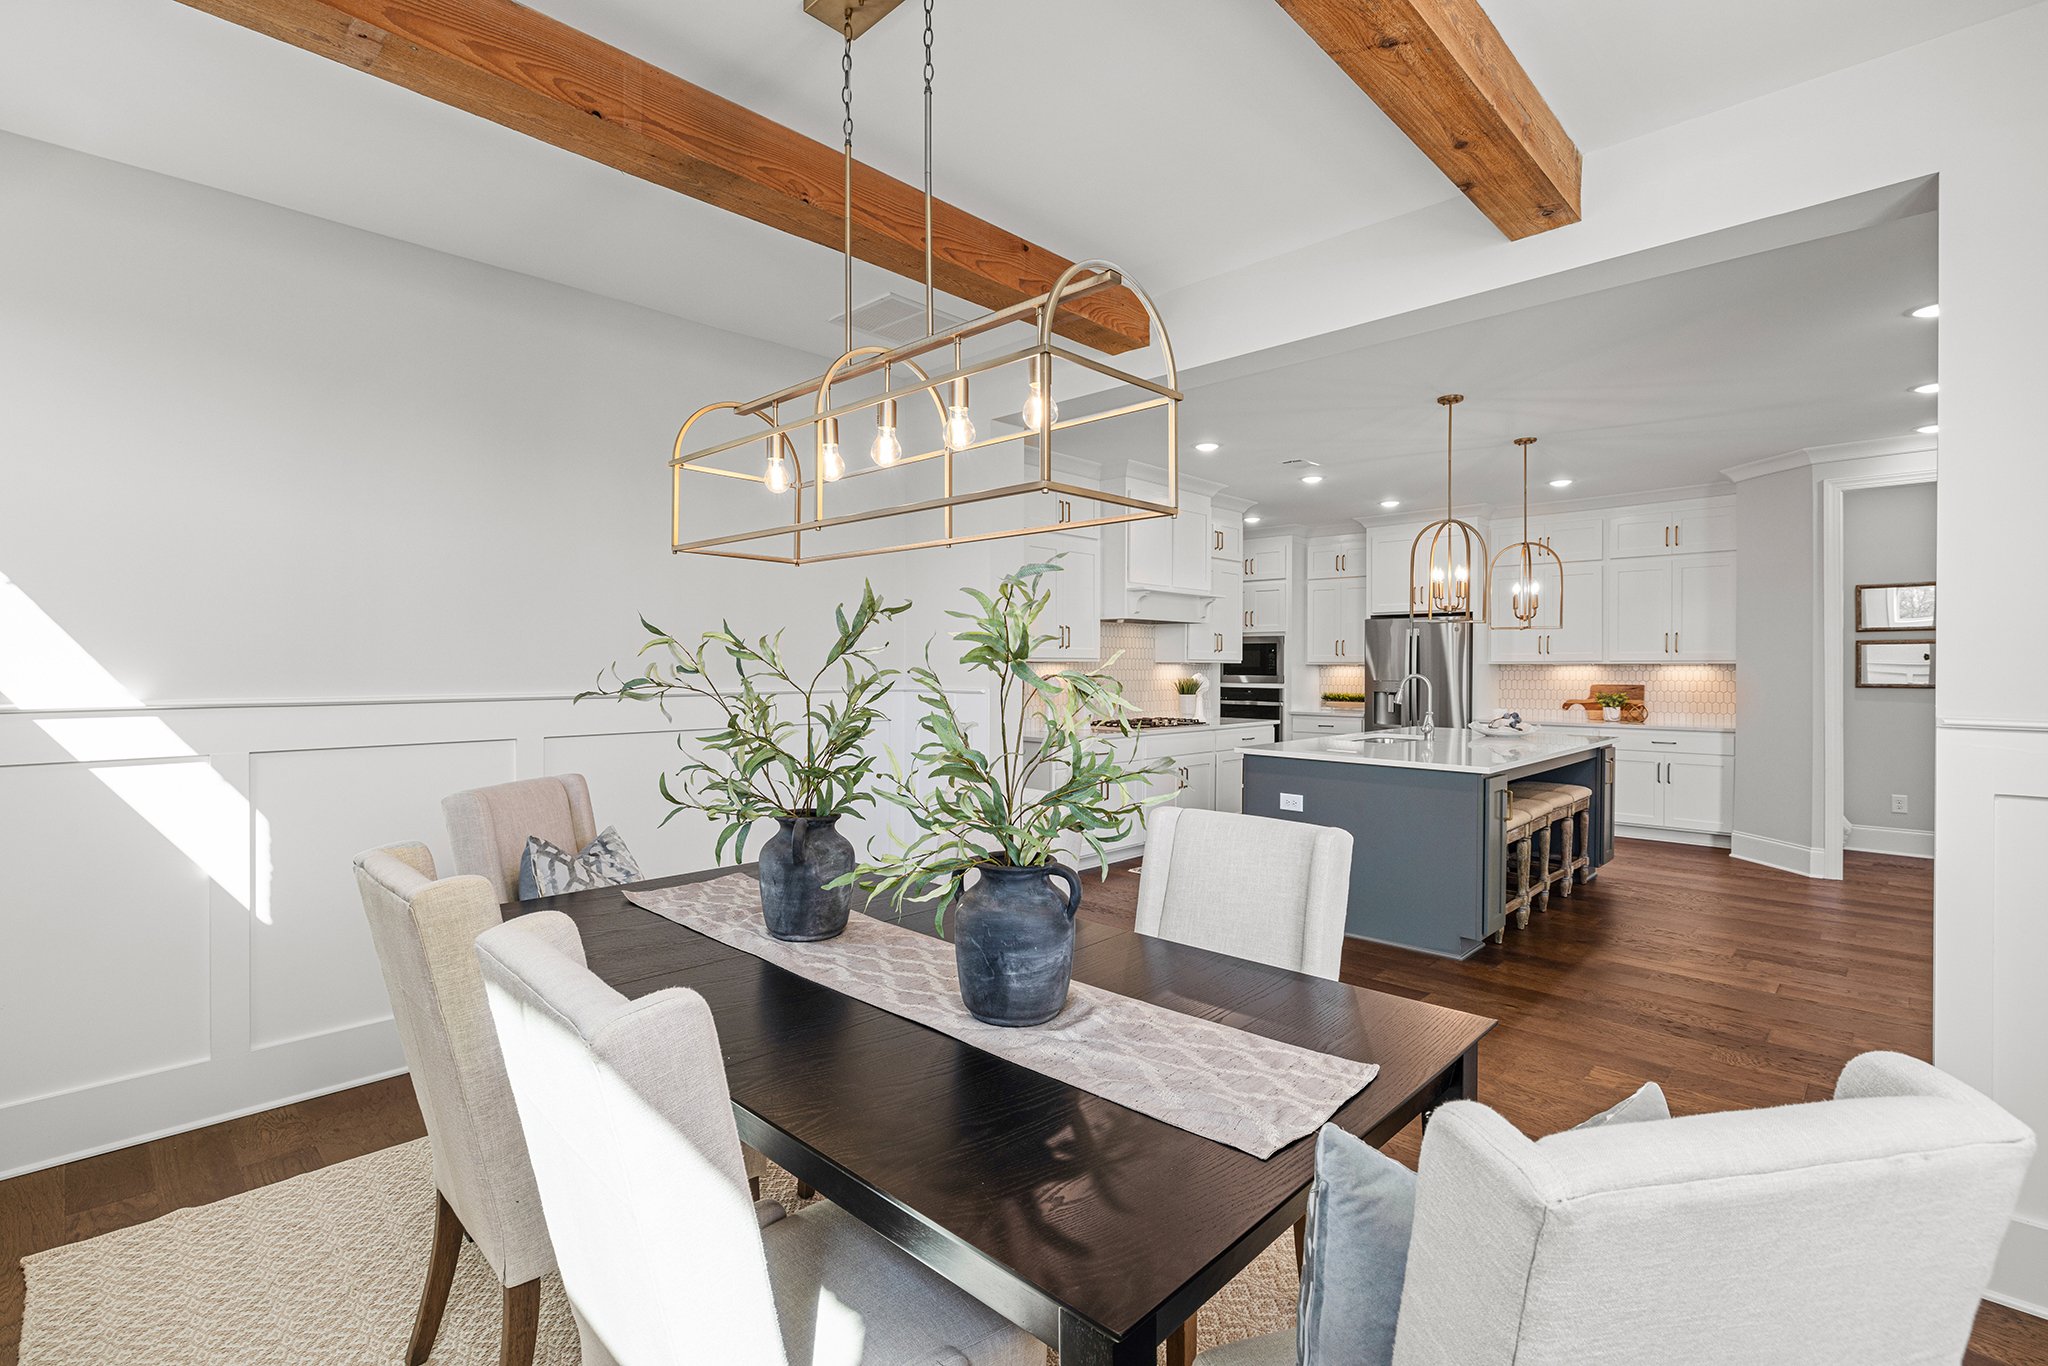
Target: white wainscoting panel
pixel 187 945
pixel 1991 952
pixel 104 922
pixel 312 969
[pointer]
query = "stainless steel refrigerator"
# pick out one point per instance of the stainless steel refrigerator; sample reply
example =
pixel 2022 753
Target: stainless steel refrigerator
pixel 1440 650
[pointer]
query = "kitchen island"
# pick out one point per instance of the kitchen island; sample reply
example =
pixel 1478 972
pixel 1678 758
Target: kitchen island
pixel 1428 820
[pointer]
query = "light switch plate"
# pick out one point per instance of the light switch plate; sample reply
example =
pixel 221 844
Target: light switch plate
pixel 1290 801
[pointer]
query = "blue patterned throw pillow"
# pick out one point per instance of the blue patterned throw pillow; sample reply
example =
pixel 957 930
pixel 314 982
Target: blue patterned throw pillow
pixel 547 869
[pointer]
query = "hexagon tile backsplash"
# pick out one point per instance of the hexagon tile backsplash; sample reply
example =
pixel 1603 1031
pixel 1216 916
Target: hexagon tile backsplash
pixel 1675 694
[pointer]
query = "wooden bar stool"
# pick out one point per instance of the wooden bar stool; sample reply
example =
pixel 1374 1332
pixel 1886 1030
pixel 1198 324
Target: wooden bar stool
pixel 1572 816
pixel 1552 833
pixel 1527 823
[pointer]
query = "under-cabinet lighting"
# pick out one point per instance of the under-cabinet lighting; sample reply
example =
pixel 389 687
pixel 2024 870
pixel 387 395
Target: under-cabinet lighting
pixel 1929 311
pixel 1929 430
pixel 1207 447
pixel 1927 388
pixel 1560 483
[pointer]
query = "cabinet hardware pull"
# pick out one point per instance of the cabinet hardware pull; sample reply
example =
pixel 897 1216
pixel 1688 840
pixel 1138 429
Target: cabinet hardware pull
pixel 1667 642
pixel 1678 534
pixel 1674 642
pixel 1667 538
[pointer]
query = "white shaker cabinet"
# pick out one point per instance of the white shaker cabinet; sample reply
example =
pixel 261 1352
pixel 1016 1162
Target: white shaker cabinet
pixel 1074 616
pixel 1336 622
pixel 1336 557
pixel 1386 578
pixel 1673 529
pixel 1267 560
pixel 1574 639
pixel 1219 635
pixel 1667 611
pixel 1265 607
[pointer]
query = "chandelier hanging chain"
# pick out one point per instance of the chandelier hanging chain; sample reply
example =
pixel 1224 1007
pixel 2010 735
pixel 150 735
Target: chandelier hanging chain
pixel 930 314
pixel 846 133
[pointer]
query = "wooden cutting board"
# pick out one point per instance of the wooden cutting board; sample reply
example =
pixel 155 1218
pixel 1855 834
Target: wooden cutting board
pixel 1633 713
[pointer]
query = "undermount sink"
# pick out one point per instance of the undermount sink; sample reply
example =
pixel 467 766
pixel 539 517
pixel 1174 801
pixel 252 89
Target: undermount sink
pixel 1389 737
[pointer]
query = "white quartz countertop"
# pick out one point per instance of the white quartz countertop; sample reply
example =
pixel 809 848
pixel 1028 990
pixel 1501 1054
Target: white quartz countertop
pixel 1629 727
pixel 1449 751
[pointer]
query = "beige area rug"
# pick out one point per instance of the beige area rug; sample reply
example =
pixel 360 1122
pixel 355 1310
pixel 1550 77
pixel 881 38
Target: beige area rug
pixel 326 1267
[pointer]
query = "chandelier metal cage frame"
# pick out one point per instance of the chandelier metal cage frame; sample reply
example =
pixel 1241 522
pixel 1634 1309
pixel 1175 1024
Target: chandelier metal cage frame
pixel 1438 591
pixel 1077 281
pixel 1525 599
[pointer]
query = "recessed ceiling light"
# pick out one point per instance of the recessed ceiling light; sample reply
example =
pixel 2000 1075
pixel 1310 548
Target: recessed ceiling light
pixel 1390 502
pixel 1930 311
pixel 1927 388
pixel 1207 447
pixel 1929 430
pixel 1560 483
pixel 1251 519
pixel 1311 479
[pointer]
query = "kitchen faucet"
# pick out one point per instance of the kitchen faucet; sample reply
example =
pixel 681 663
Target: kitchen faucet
pixel 1428 704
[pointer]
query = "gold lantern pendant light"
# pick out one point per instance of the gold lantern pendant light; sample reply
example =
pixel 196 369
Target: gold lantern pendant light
pixel 1528 561
pixel 1448 553
pixel 902 376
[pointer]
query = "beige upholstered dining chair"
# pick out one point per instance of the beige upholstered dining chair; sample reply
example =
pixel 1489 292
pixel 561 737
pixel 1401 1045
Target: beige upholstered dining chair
pixel 1857 1231
pixel 664 1256
pixel 425 933
pixel 488 826
pixel 1271 891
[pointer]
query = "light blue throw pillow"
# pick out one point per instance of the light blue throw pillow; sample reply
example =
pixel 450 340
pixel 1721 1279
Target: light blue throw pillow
pixel 546 869
pixel 1360 1211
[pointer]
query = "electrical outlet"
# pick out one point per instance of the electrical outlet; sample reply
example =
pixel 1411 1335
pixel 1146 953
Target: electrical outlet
pixel 1898 803
pixel 1290 801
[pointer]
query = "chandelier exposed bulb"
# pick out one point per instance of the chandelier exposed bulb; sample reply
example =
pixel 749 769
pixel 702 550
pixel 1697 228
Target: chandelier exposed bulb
pixel 959 422
pixel 831 464
pixel 1040 411
pixel 776 477
pixel 888 447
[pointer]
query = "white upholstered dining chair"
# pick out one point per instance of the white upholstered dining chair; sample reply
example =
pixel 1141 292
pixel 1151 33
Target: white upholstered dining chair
pixel 1857 1231
pixel 1249 886
pixel 488 826
pixel 665 1257
pixel 425 934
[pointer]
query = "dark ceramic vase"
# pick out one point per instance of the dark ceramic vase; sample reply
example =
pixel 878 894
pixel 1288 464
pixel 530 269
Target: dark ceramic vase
pixel 1013 942
pixel 799 859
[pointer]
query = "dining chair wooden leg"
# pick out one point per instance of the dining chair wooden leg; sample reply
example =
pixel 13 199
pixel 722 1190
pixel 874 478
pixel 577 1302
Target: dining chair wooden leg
pixel 520 1332
pixel 754 1187
pixel 447 1247
pixel 1300 1242
pixel 1180 1347
pixel 803 1189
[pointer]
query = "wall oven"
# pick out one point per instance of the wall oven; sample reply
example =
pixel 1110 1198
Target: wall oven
pixel 1260 661
pixel 1254 702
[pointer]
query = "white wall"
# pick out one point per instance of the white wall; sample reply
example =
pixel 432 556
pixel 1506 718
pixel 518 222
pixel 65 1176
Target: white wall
pixel 260 472
pixel 1888 733
pixel 1777 562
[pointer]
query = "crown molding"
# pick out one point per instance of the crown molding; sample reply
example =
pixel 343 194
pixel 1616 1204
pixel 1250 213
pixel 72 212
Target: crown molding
pixel 1828 455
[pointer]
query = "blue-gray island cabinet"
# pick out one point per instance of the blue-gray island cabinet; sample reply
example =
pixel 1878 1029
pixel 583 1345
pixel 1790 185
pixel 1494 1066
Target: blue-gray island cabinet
pixel 1428 820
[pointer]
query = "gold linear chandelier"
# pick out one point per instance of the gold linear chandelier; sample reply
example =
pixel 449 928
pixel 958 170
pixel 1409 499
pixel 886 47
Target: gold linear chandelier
pixel 906 372
pixel 1524 560
pixel 1440 573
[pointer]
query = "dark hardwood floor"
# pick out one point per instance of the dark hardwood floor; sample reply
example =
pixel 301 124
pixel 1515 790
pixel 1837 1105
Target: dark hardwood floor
pixel 1729 984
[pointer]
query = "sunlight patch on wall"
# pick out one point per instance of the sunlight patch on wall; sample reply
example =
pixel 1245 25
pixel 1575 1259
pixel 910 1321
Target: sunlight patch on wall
pixel 189 804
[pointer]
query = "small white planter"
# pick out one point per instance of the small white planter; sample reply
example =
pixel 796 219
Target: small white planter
pixel 1610 713
pixel 1191 705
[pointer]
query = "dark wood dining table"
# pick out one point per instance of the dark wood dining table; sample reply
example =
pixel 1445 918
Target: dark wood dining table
pixel 1097 1229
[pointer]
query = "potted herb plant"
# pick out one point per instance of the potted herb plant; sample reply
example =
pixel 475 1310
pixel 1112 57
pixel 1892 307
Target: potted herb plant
pixel 790 751
pixel 1611 704
pixel 998 810
pixel 1345 701
pixel 1190 692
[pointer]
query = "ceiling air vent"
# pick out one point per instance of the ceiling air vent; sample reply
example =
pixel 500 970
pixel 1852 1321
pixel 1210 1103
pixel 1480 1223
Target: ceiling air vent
pixel 896 319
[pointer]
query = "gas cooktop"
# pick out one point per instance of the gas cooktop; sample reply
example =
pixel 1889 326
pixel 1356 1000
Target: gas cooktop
pixel 1151 722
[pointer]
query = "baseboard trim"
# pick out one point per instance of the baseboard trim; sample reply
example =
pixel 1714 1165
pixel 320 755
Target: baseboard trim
pixel 1885 839
pixel 1701 838
pixel 2020 1279
pixel 1802 859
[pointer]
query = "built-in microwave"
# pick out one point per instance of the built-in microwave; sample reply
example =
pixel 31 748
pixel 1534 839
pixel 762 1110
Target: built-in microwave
pixel 1259 662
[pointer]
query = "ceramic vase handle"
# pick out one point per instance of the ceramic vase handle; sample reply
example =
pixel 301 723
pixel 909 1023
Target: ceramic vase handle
pixel 798 828
pixel 1073 881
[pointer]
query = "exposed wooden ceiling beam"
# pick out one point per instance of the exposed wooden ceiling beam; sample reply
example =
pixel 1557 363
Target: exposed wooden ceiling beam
pixel 517 67
pixel 1440 71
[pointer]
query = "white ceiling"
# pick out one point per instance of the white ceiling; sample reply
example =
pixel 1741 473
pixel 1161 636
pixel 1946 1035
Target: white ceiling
pixel 1654 385
pixel 1182 138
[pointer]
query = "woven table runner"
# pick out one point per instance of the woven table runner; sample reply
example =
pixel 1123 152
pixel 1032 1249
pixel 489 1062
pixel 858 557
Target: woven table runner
pixel 1255 1094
